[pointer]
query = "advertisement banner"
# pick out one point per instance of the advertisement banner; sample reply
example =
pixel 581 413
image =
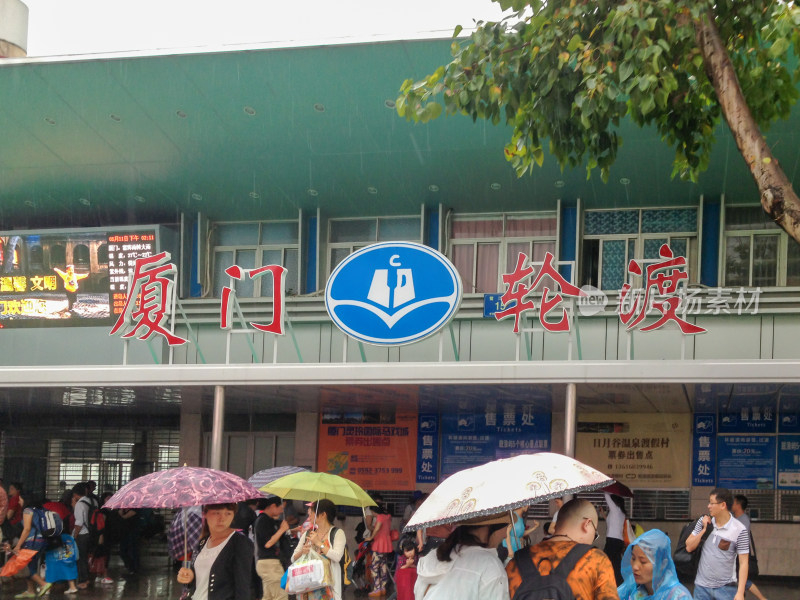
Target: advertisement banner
pixel 639 450
pixel 67 278
pixel 370 436
pixel 487 430
pixel 746 462
pixel 704 450
pixel 789 462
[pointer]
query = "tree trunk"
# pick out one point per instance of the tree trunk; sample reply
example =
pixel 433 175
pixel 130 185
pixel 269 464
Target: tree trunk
pixel 777 195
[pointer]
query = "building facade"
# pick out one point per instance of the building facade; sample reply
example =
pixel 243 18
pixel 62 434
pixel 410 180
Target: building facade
pixel 669 359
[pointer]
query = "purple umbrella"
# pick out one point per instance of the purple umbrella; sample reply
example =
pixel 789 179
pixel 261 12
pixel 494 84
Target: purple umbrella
pixel 183 486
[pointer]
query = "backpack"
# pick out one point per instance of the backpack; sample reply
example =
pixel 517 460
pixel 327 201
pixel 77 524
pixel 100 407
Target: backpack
pixel 553 586
pixel 96 522
pixel 347 561
pixel 48 523
pixel 686 562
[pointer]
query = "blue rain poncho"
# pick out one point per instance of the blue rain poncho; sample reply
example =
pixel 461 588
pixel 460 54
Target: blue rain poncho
pixel 657 547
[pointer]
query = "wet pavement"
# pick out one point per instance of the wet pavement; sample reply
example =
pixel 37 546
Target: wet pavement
pixel 157 580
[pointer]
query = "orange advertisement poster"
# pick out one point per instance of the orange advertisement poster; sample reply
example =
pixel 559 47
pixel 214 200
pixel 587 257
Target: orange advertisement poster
pixel 370 436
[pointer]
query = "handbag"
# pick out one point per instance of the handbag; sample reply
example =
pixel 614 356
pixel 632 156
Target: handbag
pixel 309 572
pixel 686 562
pixel 752 568
pixel 394 535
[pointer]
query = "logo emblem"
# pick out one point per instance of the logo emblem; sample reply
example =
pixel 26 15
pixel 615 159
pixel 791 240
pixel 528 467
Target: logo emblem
pixel 393 293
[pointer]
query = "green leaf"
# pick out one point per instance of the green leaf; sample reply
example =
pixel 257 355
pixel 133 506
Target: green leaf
pixel 779 47
pixel 574 43
pixel 458 30
pixel 538 156
pixel 647 105
pixel 436 76
pixel 661 97
pixel 625 70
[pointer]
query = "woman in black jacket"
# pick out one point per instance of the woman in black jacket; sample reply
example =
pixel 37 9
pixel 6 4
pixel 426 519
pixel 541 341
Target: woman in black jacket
pixel 222 568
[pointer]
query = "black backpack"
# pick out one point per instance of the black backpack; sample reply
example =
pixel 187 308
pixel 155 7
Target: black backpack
pixel 686 562
pixel 553 586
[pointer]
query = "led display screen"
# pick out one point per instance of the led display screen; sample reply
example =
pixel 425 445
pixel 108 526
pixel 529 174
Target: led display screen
pixel 69 278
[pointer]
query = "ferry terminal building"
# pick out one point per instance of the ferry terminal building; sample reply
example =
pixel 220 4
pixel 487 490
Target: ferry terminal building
pixel 296 157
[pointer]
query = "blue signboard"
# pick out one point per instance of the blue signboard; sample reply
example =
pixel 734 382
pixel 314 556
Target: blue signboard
pixel 704 444
pixel 491 305
pixel 789 410
pixel 749 409
pixel 428 447
pixel 479 433
pixel 789 462
pixel 393 293
pixel 746 462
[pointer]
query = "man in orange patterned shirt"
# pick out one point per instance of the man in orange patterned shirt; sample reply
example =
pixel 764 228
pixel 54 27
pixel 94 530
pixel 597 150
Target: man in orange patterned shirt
pixel 593 576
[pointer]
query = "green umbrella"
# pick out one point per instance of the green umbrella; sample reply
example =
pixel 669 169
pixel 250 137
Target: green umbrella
pixel 316 486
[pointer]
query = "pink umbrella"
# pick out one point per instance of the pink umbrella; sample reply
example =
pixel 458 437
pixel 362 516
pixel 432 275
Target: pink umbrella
pixel 183 486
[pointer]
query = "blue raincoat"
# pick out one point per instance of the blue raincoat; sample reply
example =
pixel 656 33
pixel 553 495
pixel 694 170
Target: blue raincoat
pixel 657 547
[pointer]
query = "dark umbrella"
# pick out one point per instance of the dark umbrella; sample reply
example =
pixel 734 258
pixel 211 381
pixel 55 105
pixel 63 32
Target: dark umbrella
pixel 618 489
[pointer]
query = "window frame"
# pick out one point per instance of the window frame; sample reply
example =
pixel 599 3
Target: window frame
pixel 639 238
pixel 352 246
pixel 502 242
pixel 293 280
pixel 781 264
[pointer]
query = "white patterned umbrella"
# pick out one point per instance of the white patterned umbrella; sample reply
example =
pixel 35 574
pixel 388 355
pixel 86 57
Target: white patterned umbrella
pixel 503 485
pixel 266 476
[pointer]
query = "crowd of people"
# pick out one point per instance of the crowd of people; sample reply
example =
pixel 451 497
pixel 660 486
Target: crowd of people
pixel 85 526
pixel 241 552
pixel 489 559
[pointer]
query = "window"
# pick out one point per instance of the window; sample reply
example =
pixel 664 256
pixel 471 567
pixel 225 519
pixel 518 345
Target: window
pixel 612 238
pixel 253 245
pixel 483 247
pixel 348 235
pixel 757 252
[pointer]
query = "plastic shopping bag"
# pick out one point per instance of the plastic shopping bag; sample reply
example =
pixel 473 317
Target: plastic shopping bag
pixel 309 572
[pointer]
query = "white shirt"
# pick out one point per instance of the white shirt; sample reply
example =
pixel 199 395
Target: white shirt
pixel 615 519
pixel 82 509
pixel 202 568
pixel 474 573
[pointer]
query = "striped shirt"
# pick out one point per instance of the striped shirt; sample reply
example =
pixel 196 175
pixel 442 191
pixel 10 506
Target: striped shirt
pixel 718 560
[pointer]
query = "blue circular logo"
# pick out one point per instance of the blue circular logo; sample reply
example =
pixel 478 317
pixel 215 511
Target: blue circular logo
pixel 393 293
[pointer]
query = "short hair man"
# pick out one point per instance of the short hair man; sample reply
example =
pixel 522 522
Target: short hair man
pixel 738 510
pixel 716 574
pixel 593 576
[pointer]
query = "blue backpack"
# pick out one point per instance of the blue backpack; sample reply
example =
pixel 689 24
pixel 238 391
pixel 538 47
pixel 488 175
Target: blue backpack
pixel 47 523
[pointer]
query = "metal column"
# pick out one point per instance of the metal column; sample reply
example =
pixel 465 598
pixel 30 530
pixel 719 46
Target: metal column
pixel 217 427
pixel 570 419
